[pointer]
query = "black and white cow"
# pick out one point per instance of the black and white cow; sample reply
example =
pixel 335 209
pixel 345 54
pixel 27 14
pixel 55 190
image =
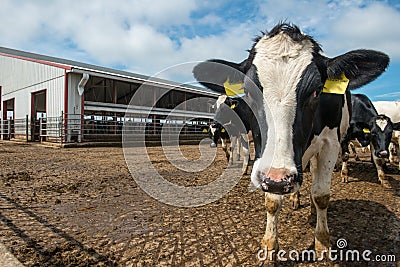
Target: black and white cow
pixel 217 132
pixel 367 127
pixel 392 110
pixel 236 117
pixel 301 101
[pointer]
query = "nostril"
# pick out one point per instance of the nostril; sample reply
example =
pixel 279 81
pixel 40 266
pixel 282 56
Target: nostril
pixel 383 153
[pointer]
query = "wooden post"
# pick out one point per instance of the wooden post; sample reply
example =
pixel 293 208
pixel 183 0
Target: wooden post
pixel 40 129
pixel 9 128
pixel 27 127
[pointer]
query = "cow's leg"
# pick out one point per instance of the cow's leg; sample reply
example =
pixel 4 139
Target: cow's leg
pixel 392 152
pixel 321 169
pixel 295 199
pixel 345 155
pixel 273 203
pixel 353 150
pixel 379 164
pixel 239 147
pixel 398 146
pixel 232 148
pixel 246 152
pixel 344 173
pixel 312 219
pixel 225 148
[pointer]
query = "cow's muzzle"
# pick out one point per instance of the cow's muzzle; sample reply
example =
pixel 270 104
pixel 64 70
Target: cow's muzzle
pixel 383 154
pixel 278 181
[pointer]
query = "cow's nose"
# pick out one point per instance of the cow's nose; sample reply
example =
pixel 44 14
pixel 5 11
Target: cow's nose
pixel 383 154
pixel 277 180
pixel 213 144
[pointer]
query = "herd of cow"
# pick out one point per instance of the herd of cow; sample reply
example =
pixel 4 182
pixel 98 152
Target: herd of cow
pixel 297 104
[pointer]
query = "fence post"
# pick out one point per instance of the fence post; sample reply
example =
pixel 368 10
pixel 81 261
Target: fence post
pixel 27 128
pixel 40 129
pixel 61 126
pixel 9 129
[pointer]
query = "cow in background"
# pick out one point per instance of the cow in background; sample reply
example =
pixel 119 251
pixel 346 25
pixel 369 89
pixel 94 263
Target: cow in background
pixel 301 101
pixel 229 113
pixel 368 128
pixel 392 110
pixel 217 132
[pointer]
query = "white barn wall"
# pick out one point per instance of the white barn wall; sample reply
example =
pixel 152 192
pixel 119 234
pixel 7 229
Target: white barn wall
pixel 20 78
pixel 74 99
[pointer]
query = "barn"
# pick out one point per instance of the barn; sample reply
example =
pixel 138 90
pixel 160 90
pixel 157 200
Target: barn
pixel 45 98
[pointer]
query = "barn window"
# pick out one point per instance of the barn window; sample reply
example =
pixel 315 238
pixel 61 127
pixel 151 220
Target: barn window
pixel 100 90
pixel 172 99
pixel 125 91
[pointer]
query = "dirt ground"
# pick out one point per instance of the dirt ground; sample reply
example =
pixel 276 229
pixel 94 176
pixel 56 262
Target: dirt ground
pixel 81 207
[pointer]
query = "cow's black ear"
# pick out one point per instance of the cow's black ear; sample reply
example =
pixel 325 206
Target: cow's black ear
pixel 396 126
pixel 215 72
pixel 363 127
pixel 359 66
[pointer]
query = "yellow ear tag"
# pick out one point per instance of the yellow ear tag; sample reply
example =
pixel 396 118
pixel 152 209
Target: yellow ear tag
pixel 205 130
pixel 233 89
pixel 233 106
pixel 336 86
pixel 365 130
pixel 223 130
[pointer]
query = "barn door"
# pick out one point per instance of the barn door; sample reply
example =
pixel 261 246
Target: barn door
pixel 8 119
pixel 38 114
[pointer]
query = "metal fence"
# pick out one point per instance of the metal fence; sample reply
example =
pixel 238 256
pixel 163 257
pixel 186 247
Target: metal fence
pixel 69 128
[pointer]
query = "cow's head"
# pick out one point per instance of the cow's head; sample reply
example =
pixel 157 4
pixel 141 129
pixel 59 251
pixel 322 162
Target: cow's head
pixel 223 110
pixel 283 78
pixel 381 135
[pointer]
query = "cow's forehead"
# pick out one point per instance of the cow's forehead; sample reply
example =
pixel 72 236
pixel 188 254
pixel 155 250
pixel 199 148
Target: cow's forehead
pixel 381 123
pixel 282 46
pixel 281 62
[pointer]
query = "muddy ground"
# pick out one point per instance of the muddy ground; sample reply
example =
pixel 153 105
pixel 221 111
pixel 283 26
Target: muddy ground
pixel 81 207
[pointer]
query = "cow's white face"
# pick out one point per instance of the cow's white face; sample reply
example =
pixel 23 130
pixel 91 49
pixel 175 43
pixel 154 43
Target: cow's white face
pixel 280 64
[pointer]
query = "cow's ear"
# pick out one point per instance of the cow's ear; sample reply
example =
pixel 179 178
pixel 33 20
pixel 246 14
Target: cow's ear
pixel 363 127
pixel 396 126
pixel 359 66
pixel 215 72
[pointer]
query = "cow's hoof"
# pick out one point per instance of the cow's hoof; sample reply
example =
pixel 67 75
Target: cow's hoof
pixel 295 205
pixel 345 179
pixel 385 183
pixel 295 200
pixel 322 249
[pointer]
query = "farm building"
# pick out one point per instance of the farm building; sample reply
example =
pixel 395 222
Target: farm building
pixel 53 99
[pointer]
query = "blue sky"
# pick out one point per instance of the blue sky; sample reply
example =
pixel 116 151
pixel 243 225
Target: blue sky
pixel 150 36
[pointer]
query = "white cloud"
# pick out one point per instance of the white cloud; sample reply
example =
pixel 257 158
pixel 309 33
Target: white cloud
pixel 134 33
pixel 341 25
pixel 373 27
